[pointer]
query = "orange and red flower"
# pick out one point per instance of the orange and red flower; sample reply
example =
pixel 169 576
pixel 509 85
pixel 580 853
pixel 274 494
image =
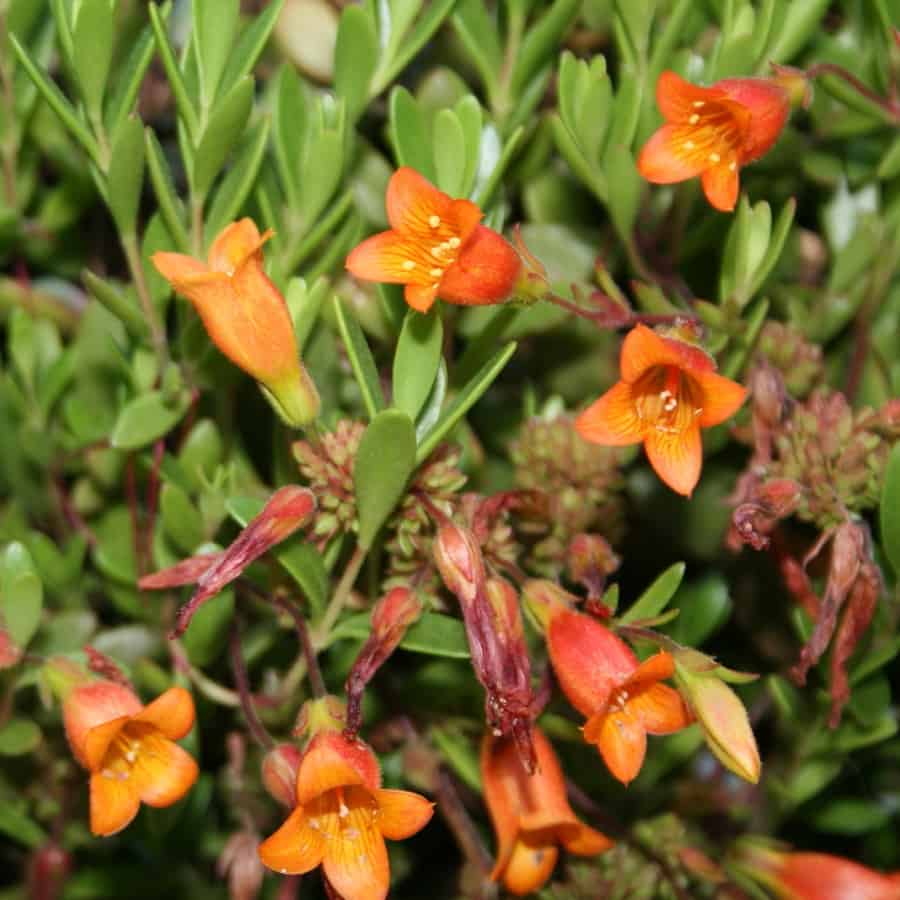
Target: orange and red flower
pixel 129 749
pixel 437 248
pixel 622 699
pixel 669 391
pixel 531 814
pixel 813 876
pixel 245 316
pixel 713 131
pixel 342 817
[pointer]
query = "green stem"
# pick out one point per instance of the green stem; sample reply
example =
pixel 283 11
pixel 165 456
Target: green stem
pixel 197 225
pixel 136 267
pixel 339 598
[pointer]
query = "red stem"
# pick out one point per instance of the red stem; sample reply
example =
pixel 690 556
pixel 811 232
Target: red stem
pixel 242 683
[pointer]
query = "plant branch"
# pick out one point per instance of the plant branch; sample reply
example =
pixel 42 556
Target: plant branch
pixel 316 682
pixel 890 107
pixel 339 597
pixel 242 683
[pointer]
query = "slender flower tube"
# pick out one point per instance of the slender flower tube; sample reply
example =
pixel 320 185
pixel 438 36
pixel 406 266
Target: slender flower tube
pixel 342 817
pixel 623 699
pixel 530 814
pixel 669 390
pixel 813 876
pixel 129 749
pixel 437 248
pixel 246 317
pixel 713 131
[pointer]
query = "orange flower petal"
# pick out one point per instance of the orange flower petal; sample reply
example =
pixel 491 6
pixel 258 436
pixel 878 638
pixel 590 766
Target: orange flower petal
pixel 529 867
pixel 295 848
pixel 644 348
pixel 676 458
pixel 358 867
pixel 420 297
pixel 402 813
pixel 381 258
pixel 175 267
pixel 502 795
pixel 332 760
pixel 114 803
pixel 163 771
pixel 722 398
pixel 588 659
pixel 485 271
pixel 663 161
pixel 675 97
pixel 234 244
pixel 661 710
pixel 655 668
pixel 622 741
pixel 584 841
pixel 98 739
pixel 612 420
pixel 171 712
pixel 411 201
pixel 93 704
pixel 721 184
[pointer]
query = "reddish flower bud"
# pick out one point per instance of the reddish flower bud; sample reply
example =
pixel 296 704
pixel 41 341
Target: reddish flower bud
pixel 48 870
pixel 392 615
pixel 239 862
pixel 10 654
pixel 494 630
pixel 287 509
pixel 591 559
pixel 812 876
pixel 279 773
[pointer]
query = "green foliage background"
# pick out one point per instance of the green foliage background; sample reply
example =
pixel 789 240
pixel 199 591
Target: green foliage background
pixel 127 442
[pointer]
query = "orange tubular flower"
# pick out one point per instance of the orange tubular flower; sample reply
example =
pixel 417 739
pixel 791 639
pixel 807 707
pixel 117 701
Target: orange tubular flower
pixel 531 815
pixel 245 316
pixel 814 876
pixel 129 749
pixel 668 392
pixel 713 131
pixel 436 248
pixel 342 817
pixel 621 698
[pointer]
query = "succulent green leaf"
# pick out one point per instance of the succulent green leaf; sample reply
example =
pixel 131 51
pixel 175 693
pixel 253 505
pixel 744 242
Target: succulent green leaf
pixel 361 359
pixel 147 418
pixel 125 176
pixel 226 125
pixel 656 598
pixel 417 359
pixel 21 594
pixel 383 464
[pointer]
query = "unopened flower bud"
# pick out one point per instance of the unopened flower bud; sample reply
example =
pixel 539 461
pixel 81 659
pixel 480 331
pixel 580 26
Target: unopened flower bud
pixel 48 869
pixel 543 598
pixel 326 713
pixel 769 395
pixel 279 773
pixel 459 560
pixel 723 719
pixel 591 559
pixel 239 862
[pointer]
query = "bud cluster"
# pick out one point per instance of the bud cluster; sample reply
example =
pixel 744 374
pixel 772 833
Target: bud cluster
pixel 582 483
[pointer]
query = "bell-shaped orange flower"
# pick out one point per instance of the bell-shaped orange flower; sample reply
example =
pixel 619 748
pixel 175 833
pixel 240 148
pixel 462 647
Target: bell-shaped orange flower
pixel 713 131
pixel 245 316
pixel 342 817
pixel 437 248
pixel 669 391
pixel 531 814
pixel 129 749
pixel 622 698
pixel 812 876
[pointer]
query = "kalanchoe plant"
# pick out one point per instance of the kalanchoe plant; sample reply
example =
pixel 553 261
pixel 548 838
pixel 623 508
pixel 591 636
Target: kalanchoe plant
pixel 337 337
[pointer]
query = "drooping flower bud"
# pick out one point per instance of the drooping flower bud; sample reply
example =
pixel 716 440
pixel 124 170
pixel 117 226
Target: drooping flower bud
pixel 721 715
pixel 240 864
pixel 48 869
pixel 494 630
pixel 279 773
pixel 391 616
pixel 591 559
pixel 287 510
pixel 811 876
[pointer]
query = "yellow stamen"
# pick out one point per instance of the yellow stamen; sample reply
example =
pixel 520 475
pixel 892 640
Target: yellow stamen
pixel 434 221
pixel 715 158
pixel 694 119
pixel 408 264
